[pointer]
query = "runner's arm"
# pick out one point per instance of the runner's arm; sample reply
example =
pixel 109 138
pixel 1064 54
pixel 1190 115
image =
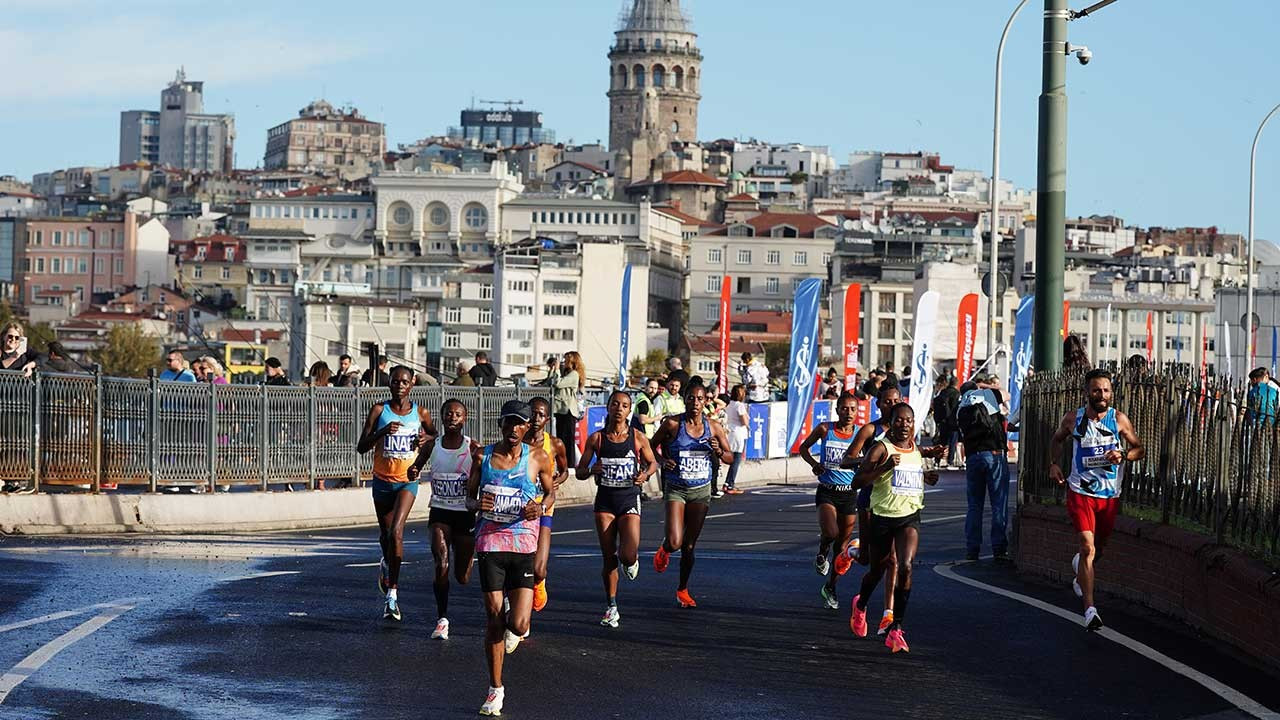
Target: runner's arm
pixel 584 471
pixel 1055 447
pixel 1136 451
pixel 722 440
pixel 546 478
pixel 369 435
pixel 854 451
pixel 874 465
pixel 809 442
pixel 474 502
pixel 663 434
pixel 561 461
pixel 647 458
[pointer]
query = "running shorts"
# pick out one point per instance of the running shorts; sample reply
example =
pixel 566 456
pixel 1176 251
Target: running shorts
pixel 618 501
pixel 459 522
pixel 505 571
pixel 676 493
pixel 1091 514
pixel 864 498
pixel 844 498
pixel 382 487
pixel 884 528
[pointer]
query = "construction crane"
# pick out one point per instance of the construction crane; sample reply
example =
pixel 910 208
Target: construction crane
pixel 511 104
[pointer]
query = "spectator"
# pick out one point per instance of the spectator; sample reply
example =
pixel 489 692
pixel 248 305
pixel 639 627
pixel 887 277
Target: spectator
pixel 890 378
pixel 213 371
pixel 16 355
pixel 197 369
pixel 566 402
pixel 175 368
pixel 275 372
pixel 982 429
pixel 830 380
pixel 756 378
pixel 945 405
pixel 1136 364
pixel 482 372
pixel 675 366
pixel 1263 398
pixel 671 401
pixel 319 374
pixel 464 378
pixel 1074 354
pixel 378 377
pixel 644 412
pixel 348 375
pixel 422 379
pixel 738 427
pixel 57 360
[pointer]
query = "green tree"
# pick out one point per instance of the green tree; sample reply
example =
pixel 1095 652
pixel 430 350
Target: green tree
pixel 777 357
pixel 653 363
pixel 129 352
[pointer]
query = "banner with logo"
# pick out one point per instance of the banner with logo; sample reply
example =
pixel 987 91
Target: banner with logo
pixel 725 286
pixel 1021 351
pixel 852 328
pixel 804 356
pixel 1226 344
pixel 965 335
pixel 1066 318
pixel 624 339
pixel 757 431
pixel 922 356
pixel 1150 341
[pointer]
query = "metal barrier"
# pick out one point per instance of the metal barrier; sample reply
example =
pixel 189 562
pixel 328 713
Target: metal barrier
pixel 90 430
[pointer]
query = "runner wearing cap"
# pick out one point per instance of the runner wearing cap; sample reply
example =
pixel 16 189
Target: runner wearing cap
pixel 506 479
pixel 554 447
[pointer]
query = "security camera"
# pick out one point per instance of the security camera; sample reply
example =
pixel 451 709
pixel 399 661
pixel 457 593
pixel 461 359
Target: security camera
pixel 1082 52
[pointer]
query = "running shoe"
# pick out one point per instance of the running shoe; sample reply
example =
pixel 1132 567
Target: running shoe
pixel 829 598
pixel 896 641
pixel 611 617
pixel 382 577
pixel 844 560
pixel 685 599
pixel 734 491
pixel 632 570
pixel 821 564
pixel 540 596
pixel 661 559
pixel 511 641
pixel 442 630
pixel 858 620
pixel 717 494
pixel 885 621
pixel 1092 620
pixel 493 704
pixel 391 611
pixel 1075 580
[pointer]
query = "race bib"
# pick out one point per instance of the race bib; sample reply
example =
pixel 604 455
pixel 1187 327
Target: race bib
pixel 695 469
pixel 449 491
pixel 907 481
pixel 832 455
pixel 508 504
pixel 617 472
pixel 400 445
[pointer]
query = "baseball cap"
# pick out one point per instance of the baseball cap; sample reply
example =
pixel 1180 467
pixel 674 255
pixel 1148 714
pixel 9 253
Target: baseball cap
pixel 982 378
pixel 516 409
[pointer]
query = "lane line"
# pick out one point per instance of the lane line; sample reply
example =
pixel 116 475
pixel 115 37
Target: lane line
pixel 941 519
pixel 1231 695
pixel 68 613
pixel 33 662
pixel 933 490
pixel 571 532
pixel 803 505
pixel 260 575
pixel 724 515
pixel 376 564
pixel 758 542
pixel 578 555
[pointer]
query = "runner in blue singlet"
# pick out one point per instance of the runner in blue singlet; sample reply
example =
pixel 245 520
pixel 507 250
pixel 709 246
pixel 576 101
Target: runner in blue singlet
pixel 836 497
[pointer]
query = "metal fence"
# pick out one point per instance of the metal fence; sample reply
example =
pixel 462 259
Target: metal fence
pixel 1212 463
pixel 90 430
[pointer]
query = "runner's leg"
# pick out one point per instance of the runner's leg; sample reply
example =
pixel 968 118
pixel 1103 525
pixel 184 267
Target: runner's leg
pixel 878 555
pixel 544 554
pixel 695 514
pixel 845 534
pixel 441 536
pixel 628 539
pixel 495 625
pixel 905 542
pixel 1084 574
pixel 384 507
pixel 607 532
pixel 464 551
pixel 521 600
pixel 828 528
pixel 404 503
pixel 675 527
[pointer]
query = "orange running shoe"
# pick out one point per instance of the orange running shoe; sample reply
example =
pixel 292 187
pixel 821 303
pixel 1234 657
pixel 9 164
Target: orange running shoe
pixel 685 599
pixel 858 621
pixel 885 622
pixel 844 560
pixel 896 641
pixel 540 596
pixel 661 559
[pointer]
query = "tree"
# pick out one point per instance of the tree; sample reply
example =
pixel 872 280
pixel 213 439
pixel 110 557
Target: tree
pixel 777 357
pixel 651 365
pixel 129 352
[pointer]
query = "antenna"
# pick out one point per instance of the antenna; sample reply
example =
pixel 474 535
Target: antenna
pixel 511 104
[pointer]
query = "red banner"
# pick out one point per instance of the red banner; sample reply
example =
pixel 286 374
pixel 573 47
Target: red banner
pixel 1066 318
pixel 725 286
pixel 966 333
pixel 1150 338
pixel 862 413
pixel 852 326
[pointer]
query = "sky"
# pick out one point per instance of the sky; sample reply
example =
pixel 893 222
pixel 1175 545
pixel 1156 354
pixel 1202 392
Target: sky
pixel 1160 122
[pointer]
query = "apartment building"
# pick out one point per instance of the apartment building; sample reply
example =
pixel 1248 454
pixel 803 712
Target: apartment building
pixel 90 255
pixel 328 140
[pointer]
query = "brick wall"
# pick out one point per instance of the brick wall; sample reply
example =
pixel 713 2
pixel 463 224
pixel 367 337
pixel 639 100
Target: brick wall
pixel 1212 588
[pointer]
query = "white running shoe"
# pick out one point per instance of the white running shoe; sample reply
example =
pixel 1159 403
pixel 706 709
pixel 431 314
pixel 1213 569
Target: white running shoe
pixel 493 703
pixel 821 564
pixel 442 630
pixel 1092 620
pixel 511 641
pixel 632 570
pixel 611 617
pixel 1075 581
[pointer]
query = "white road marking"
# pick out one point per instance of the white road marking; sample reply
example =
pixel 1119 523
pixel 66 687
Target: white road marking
pixel 724 515
pixel 803 505
pixel 33 662
pixel 259 575
pixel 1235 697
pixel 68 613
pixel 933 490
pixel 941 519
pixel 578 555
pixel 376 564
pixel 758 542
pixel 571 532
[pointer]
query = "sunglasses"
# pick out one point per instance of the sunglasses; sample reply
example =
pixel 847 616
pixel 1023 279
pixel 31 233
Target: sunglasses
pixel 12 337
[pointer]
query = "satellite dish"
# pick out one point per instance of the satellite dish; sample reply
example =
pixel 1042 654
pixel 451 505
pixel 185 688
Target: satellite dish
pixel 849 224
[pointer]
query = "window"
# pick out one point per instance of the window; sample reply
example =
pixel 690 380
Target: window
pixel 713 312
pixel 439 216
pixel 740 231
pixel 773 257
pixel 713 283
pixel 519 334
pixel 826 259
pixel 771 286
pixel 453 315
pixel 84 238
pixel 197 272
pixel 1137 343
pixel 477 217
pixel 82 266
pixel 69 265
pixel 402 216
pixel 519 309
pixel 484 341
pixel 520 285
pixel 57 237
pixel 334 348
pixel 452 340
pixel 888 302
pixel 486 292
pixel 800 258
pixel 714 256
pixel 560 287
pixel 225 273
pixel 40 265
pixel 55 265
pixel 885 355
pixel 564 334
pixel 795 284
pixel 1108 341
pixel 744 257
pixel 744 286
pixel 558 310
pixel 486 316
pixel 888 328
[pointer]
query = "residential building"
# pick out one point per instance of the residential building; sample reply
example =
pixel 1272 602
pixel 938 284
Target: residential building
pixel 212 269
pixel 331 141
pixel 61 182
pixel 465 321
pixel 12 253
pixel 501 127
pixel 703 352
pixel 594 155
pixel 181 134
pixel 423 214
pixel 92 255
pixel 697 194
pixel 806 166
pixel 655 49
pixel 16 203
pixel 324 326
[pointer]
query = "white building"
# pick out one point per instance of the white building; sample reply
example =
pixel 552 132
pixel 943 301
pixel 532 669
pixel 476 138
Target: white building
pixel 15 203
pixel 815 161
pixel 324 327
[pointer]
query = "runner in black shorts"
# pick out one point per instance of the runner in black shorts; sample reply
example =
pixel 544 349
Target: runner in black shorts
pixel 836 497
pixel 620 459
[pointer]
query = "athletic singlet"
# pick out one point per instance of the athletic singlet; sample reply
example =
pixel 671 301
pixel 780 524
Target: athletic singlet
pixel 834 446
pixel 1091 440
pixel 876 436
pixel 504 529
pixel 550 449
pixel 449 472
pixel 692 456
pixel 619 462
pixel 900 490
pixel 395 452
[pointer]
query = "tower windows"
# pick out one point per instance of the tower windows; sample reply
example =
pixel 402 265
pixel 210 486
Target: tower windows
pixel 638 73
pixel 659 76
pixel 679 77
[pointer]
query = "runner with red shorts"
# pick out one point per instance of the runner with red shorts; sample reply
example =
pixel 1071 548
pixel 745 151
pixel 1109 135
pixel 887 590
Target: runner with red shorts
pixel 1097 473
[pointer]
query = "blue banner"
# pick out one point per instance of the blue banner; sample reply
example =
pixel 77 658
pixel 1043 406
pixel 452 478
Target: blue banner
pixel 804 356
pixel 626 326
pixel 1021 352
pixel 823 411
pixel 757 431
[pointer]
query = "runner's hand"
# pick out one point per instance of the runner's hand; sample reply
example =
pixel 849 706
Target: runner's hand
pixel 1055 474
pixel 715 444
pixel 412 473
pixel 532 511
pixel 422 438
pixel 1115 457
pixel 895 460
pixel 597 470
pixel 931 477
pixel 669 464
pixel 391 428
pixel 817 469
pixel 486 502
pixel 640 478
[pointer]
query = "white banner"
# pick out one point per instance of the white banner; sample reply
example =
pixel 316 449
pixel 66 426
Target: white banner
pixel 1226 346
pixel 922 356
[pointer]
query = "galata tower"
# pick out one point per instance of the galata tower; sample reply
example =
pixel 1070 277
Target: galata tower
pixel 654 47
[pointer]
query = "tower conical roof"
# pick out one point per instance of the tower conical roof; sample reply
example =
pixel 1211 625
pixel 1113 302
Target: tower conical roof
pixel 664 15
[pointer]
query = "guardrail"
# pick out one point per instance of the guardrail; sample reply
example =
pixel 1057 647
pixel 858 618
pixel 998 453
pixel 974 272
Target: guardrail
pixel 80 429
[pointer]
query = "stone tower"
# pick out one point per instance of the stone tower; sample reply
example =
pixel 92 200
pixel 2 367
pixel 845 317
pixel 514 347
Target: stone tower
pixel 656 48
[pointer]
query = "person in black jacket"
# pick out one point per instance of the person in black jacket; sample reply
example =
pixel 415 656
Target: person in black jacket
pixel 482 372
pixel 276 374
pixel 982 429
pixel 945 405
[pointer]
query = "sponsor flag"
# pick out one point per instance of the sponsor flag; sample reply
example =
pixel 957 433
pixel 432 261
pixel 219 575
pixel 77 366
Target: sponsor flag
pixel 1066 318
pixel 1150 341
pixel 1226 344
pixel 965 331
pixel 922 356
pixel 852 326
pixel 725 287
pixel 623 339
pixel 804 357
pixel 1021 351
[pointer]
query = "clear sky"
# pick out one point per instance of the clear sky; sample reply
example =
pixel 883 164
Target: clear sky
pixel 1160 122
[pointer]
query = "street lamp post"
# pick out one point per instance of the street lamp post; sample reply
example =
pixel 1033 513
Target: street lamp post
pixel 993 266
pixel 1248 272
pixel 1051 190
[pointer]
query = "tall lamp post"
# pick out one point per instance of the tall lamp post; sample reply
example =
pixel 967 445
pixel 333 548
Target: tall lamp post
pixel 993 266
pixel 1248 272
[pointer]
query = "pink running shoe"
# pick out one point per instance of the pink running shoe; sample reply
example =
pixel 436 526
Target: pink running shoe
pixel 896 641
pixel 858 620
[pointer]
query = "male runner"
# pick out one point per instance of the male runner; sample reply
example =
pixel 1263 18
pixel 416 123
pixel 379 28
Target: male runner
pixel 1093 500
pixel 506 480
pixel 554 447
pixel 451 524
pixel 687 442
pixel 394 431
pixel 836 498
pixel 620 459
pixel 895 470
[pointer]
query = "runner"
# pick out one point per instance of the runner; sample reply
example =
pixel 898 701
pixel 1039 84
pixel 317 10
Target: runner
pixel 554 448
pixel 620 459
pixel 506 478
pixel 895 470
pixel 394 431
pixel 836 498
pixel 1097 463
pixel 687 442
pixel 451 524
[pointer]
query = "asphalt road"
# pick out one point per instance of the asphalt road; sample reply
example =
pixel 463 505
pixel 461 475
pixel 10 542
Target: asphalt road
pixel 289 625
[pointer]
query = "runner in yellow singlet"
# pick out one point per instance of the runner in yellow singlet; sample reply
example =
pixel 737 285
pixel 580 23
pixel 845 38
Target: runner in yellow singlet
pixel 554 448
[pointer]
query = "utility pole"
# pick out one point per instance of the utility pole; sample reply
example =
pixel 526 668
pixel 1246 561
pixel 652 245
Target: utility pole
pixel 1051 190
